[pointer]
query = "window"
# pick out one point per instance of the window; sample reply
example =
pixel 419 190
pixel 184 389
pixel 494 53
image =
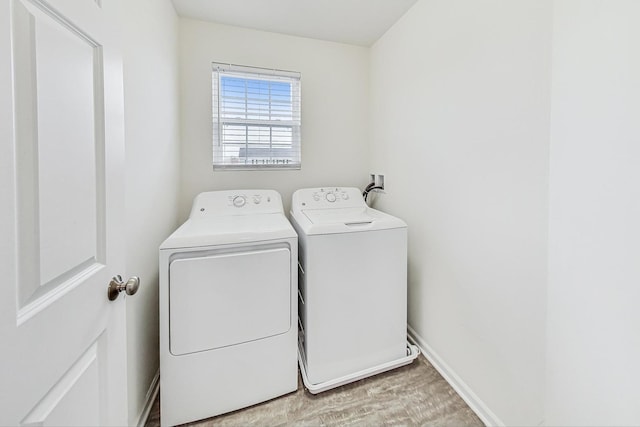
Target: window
pixel 256 118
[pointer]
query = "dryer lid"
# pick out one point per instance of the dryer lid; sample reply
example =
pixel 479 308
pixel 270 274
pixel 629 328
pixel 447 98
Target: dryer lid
pixel 222 230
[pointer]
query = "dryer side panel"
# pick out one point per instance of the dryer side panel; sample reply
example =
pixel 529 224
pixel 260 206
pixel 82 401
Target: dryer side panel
pixel 227 299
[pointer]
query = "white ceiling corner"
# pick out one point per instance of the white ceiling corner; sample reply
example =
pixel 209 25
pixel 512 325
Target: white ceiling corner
pixel 357 22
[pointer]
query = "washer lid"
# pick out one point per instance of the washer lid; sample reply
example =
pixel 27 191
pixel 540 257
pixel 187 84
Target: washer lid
pixel 338 215
pixel 221 230
pixel 330 210
pixel 345 220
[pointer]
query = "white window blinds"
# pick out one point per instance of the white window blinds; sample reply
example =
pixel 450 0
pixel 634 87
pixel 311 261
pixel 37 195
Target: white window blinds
pixel 256 118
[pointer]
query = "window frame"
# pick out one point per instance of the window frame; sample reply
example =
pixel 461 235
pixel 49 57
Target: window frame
pixel 220 162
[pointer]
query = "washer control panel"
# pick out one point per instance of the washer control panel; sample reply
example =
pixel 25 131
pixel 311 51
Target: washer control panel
pixel 328 197
pixel 236 202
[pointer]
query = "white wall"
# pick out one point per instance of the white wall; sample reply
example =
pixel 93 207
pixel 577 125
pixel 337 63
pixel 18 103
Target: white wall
pixel 334 108
pixel 502 165
pixel 460 94
pixel 594 258
pixel 150 34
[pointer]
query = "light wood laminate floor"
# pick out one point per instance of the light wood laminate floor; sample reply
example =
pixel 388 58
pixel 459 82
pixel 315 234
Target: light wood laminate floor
pixel 413 395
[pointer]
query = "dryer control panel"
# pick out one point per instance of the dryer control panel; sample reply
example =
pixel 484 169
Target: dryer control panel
pixel 236 202
pixel 328 197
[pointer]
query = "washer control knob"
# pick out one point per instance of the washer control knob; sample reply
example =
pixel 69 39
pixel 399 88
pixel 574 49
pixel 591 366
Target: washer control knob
pixel 330 197
pixel 257 199
pixel 345 196
pixel 316 197
pixel 239 201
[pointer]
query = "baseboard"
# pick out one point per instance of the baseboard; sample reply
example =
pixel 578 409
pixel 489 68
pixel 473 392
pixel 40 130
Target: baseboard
pixel 475 403
pixel 154 388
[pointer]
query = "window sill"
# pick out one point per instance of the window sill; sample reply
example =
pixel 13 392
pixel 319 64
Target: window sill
pixel 255 167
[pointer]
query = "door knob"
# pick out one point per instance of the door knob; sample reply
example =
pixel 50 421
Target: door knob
pixel 117 285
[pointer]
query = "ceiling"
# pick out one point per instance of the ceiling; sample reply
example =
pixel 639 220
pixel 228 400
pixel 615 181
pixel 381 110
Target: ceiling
pixel 358 22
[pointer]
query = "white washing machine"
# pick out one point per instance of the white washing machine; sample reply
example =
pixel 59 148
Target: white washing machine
pixel 228 306
pixel 352 283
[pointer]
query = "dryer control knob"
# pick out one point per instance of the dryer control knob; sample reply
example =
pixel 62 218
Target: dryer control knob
pixel 239 201
pixel 330 197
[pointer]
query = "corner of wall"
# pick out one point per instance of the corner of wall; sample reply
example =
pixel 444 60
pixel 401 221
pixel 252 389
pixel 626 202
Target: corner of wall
pixel 152 146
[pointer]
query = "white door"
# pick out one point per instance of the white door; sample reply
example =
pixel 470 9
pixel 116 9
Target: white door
pixel 62 358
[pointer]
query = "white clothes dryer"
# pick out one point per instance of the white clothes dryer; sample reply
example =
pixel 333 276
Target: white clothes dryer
pixel 228 306
pixel 352 283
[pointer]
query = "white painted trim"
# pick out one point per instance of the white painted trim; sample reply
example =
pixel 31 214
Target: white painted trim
pixel 154 388
pixel 475 403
